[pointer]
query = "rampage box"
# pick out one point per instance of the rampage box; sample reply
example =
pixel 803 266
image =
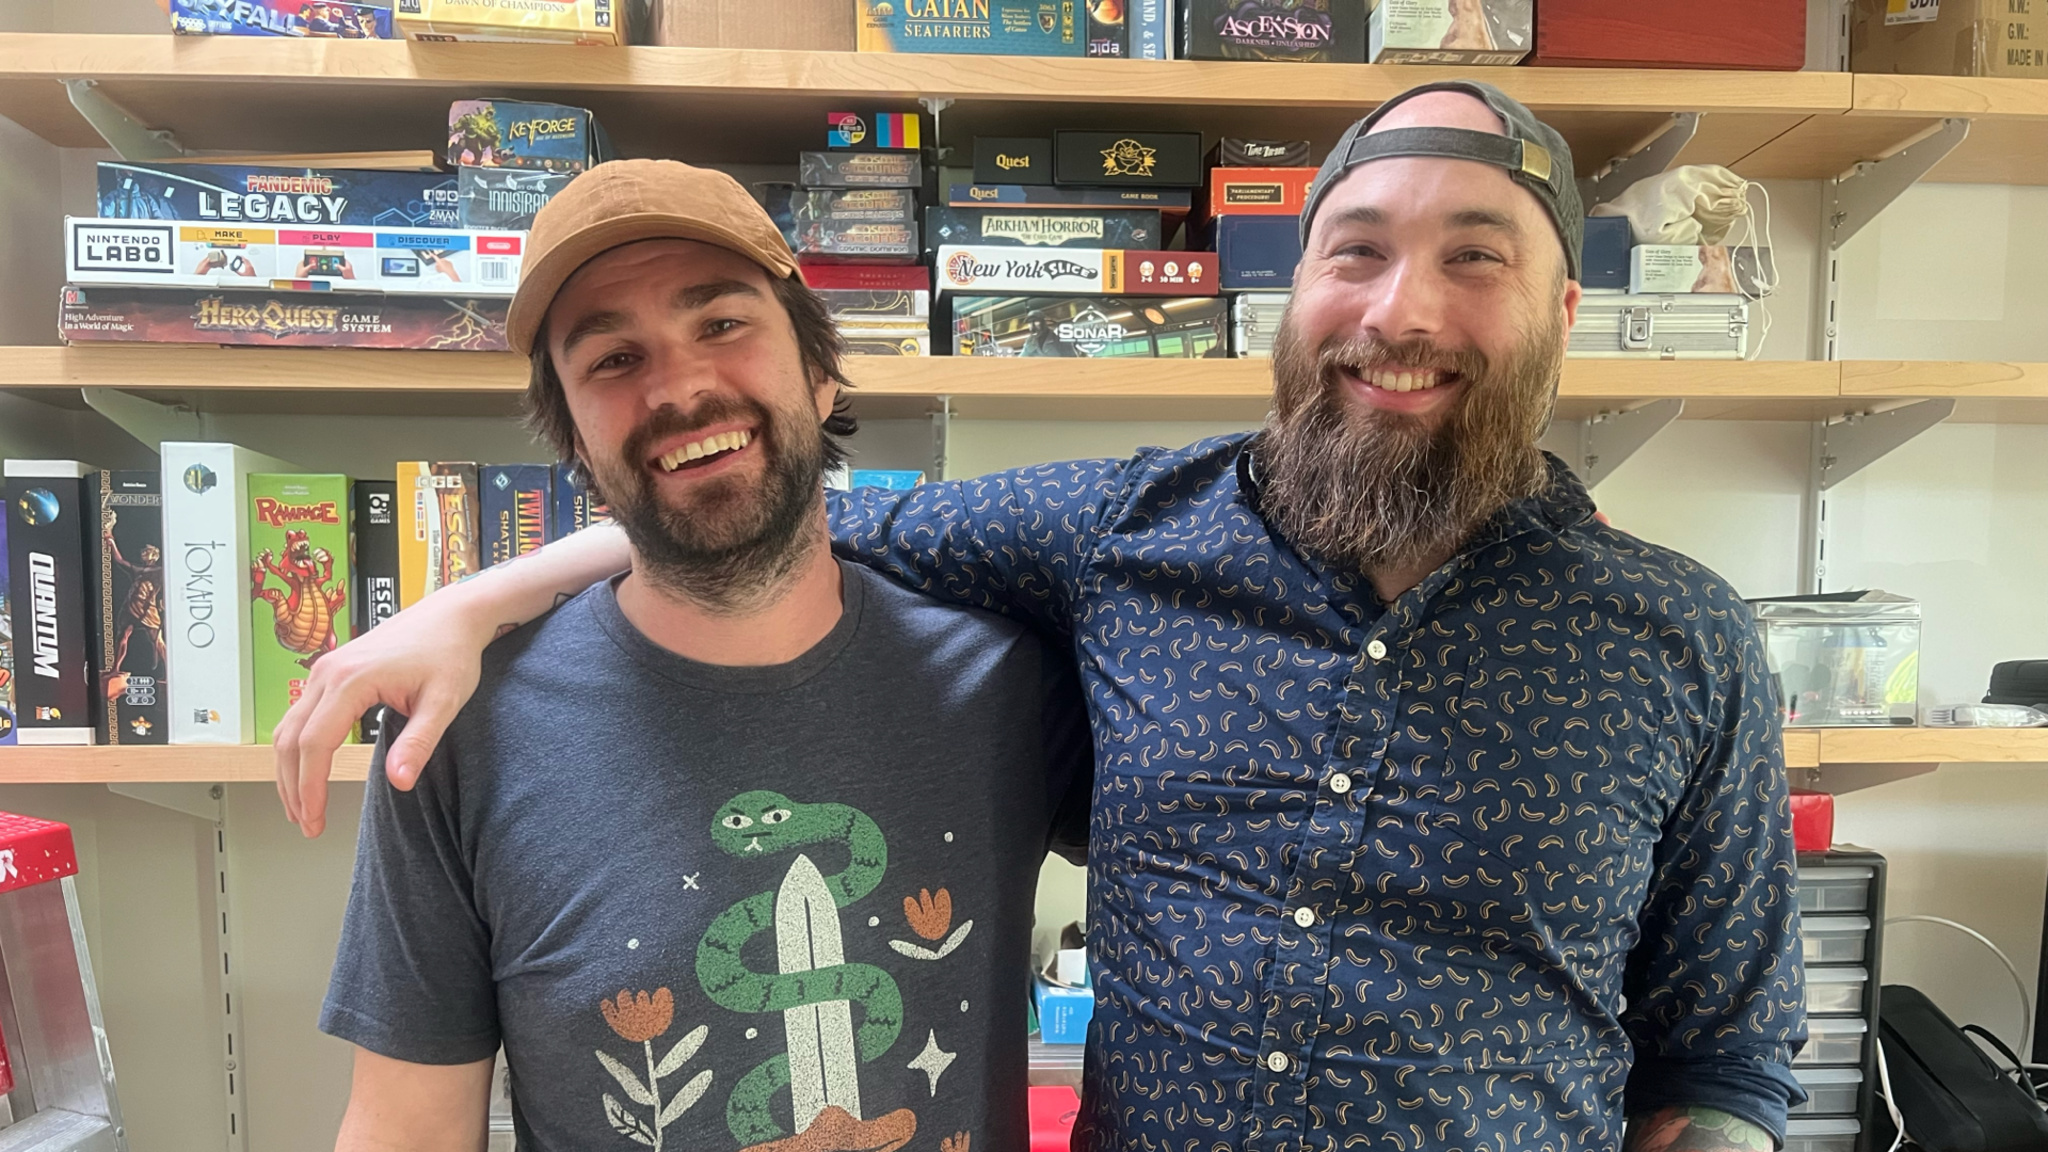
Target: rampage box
pixel 329 19
pixel 118 314
pixel 1090 326
pixel 298 583
pixel 243 194
pixel 524 134
pixel 434 261
pixel 601 22
pixel 986 27
pixel 1088 271
pixel 1110 228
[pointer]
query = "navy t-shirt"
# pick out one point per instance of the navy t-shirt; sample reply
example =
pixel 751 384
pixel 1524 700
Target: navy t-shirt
pixel 707 908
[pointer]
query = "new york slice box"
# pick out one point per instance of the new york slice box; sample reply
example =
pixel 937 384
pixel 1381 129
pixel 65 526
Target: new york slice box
pixel 437 527
pixel 328 19
pixel 987 27
pixel 374 565
pixel 600 22
pixel 517 501
pixel 205 490
pixel 1127 159
pixel 989 270
pixel 132 704
pixel 50 572
pixel 230 194
pixel 118 313
pixel 298 583
pixel 1747 34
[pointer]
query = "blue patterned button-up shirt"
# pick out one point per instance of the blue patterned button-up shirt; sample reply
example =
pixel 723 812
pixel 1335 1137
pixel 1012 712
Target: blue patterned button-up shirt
pixel 1479 869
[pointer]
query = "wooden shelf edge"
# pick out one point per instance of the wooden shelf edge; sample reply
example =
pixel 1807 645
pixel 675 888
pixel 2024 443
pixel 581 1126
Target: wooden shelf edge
pixel 186 763
pixel 1933 745
pixel 1976 97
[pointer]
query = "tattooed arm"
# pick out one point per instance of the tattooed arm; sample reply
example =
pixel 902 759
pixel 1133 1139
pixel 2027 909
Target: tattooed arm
pixel 1695 1130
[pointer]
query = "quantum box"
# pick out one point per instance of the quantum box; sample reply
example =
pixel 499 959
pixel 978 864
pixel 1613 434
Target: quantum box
pixel 1483 32
pixel 1293 31
pixel 517 501
pixel 1255 252
pixel 1128 159
pixel 1655 269
pixel 1012 160
pixel 245 194
pixel 1103 228
pixel 50 573
pixel 847 169
pixel 523 134
pixel 987 27
pixel 327 19
pixel 131 655
pixel 506 199
pixel 1090 326
pixel 521 21
pixel 298 583
pixel 96 314
pixel 985 269
pixel 437 527
pixel 855 307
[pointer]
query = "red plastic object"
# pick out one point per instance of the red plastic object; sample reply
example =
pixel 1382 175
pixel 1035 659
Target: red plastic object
pixel 1053 1110
pixel 1746 34
pixel 1813 821
pixel 6 1068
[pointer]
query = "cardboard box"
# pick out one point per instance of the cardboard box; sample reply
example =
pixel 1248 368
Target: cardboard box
pixel 276 196
pixel 1467 32
pixel 435 261
pixel 601 22
pixel 1302 32
pixel 1255 192
pixel 1255 252
pixel 1090 326
pixel 1102 228
pixel 1171 201
pixel 1604 256
pixel 994 27
pixel 1012 160
pixel 299 583
pixel 524 134
pixel 874 131
pixel 322 19
pixel 986 269
pixel 797 26
pixel 2006 38
pixel 437 527
pixel 517 501
pixel 122 314
pixel 845 169
pixel 50 572
pixel 867 277
pixel 130 653
pixel 373 562
pixel 887 341
pixel 1128 159
pixel 858 307
pixel 1745 34
pixel 1063 1012
pixel 1660 269
pixel 506 199
pixel 1233 152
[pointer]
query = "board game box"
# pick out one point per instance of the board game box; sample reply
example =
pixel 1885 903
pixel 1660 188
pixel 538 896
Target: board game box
pixel 329 19
pixel 987 269
pixel 298 583
pixel 849 169
pixel 575 508
pixel 1013 160
pixel 517 501
pixel 437 527
pixel 49 571
pixel 6 635
pixel 1236 152
pixel 374 564
pixel 523 134
pixel 275 319
pixel 506 199
pixel 988 27
pixel 1127 159
pixel 1293 31
pixel 276 196
pixel 1090 326
pixel 423 261
pixel 601 22
pixel 854 305
pixel 133 703
pixel 1099 228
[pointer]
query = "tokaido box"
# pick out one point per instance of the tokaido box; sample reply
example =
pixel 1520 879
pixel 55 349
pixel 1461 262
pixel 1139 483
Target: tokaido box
pixel 120 314
pixel 423 261
pixel 1678 327
pixel 987 269
pixel 318 19
pixel 299 546
pixel 988 27
pixel 49 571
pixel 601 22
pixel 1100 228
pixel 437 527
pixel 132 704
pixel 231 194
pixel 517 501
pixel 1254 321
pixel 1090 326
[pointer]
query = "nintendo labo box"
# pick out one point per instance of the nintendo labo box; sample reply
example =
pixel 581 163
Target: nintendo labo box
pixel 1100 228
pixel 1086 327
pixel 245 194
pixel 172 254
pixel 987 269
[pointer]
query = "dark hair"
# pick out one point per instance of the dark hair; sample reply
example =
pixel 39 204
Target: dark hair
pixel 819 346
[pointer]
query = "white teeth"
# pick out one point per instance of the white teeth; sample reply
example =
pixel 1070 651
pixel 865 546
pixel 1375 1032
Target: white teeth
pixel 709 446
pixel 1404 380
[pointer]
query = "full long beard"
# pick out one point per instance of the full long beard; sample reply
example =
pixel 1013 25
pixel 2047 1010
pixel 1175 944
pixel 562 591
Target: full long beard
pixel 736 542
pixel 1371 490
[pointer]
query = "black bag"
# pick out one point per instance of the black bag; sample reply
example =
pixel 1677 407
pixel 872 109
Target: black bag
pixel 1954 1099
pixel 2019 682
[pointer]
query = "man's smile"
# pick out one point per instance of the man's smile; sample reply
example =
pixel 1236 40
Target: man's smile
pixel 703 450
pixel 1402 389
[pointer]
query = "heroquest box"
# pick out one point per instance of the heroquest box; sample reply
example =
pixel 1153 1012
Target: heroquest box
pixel 121 314
pixel 1090 326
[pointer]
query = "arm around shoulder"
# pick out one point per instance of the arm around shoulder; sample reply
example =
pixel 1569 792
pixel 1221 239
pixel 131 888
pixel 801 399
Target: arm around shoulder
pixel 399 1106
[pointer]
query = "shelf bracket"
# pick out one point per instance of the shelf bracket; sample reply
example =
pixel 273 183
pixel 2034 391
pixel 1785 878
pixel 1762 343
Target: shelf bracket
pixel 123 131
pixel 201 800
pixel 942 435
pixel 1841 448
pixel 146 420
pixel 936 105
pixel 1608 439
pixel 1840 778
pixel 1869 188
pixel 1651 159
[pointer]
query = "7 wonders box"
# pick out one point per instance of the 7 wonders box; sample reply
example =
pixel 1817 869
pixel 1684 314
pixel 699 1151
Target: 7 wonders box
pixel 298 583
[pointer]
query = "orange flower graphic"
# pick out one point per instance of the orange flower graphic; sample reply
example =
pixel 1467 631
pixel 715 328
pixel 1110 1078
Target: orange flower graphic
pixel 929 915
pixel 638 1017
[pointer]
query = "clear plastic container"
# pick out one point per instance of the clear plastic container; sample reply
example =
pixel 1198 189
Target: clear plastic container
pixel 1835 888
pixel 1836 991
pixel 1834 939
pixel 1843 661
pixel 1833 1040
pixel 1821 1135
pixel 1830 1091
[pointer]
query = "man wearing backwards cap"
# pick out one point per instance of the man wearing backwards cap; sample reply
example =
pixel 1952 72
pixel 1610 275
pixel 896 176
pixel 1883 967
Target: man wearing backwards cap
pixel 737 850
pixel 1430 811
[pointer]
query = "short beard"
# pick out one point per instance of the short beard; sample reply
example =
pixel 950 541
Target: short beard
pixel 1373 491
pixel 733 548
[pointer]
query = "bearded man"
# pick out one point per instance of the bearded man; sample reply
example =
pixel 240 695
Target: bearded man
pixel 1429 811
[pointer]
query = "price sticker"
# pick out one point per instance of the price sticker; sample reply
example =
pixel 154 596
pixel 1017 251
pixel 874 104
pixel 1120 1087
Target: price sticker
pixel 1911 11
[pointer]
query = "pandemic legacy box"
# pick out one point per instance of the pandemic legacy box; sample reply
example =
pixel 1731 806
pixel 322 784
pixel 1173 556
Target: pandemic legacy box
pixel 1012 160
pixel 1103 228
pixel 517 501
pixel 1482 32
pixel 133 704
pixel 118 314
pixel 437 527
pixel 1128 159
pixel 1292 31
pixel 988 27
pixel 49 572
pixel 298 583
pixel 244 194
pixel 506 199
pixel 865 169
pixel 1235 152
pixel 325 19
pixel 1088 271
pixel 601 22
pixel 1090 326
pixel 523 134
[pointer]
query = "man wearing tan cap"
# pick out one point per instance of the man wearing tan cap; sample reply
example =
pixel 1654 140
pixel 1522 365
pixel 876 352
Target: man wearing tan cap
pixel 737 850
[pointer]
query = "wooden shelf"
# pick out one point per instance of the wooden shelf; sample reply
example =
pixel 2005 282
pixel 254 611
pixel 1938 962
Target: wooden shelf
pixel 1804 748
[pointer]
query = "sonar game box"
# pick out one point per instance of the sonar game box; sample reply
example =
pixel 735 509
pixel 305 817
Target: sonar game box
pixel 1091 326
pixel 243 194
pixel 281 319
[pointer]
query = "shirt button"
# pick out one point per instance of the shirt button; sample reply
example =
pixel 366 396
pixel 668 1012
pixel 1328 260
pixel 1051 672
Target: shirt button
pixel 1377 650
pixel 1340 783
pixel 1277 1062
pixel 1305 917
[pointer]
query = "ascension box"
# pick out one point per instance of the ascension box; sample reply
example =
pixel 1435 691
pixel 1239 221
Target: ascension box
pixel 281 319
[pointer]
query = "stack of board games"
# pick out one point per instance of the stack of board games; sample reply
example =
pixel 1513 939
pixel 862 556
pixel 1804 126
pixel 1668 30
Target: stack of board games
pixel 1134 29
pixel 1249 215
pixel 852 220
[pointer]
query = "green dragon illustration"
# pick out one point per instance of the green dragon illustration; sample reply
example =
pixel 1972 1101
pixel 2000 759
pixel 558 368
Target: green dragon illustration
pixel 814 978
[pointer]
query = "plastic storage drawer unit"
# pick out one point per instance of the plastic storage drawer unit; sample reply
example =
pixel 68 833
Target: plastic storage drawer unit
pixel 1836 991
pixel 1834 939
pixel 1835 888
pixel 1821 1135
pixel 1830 1091
pixel 1833 1040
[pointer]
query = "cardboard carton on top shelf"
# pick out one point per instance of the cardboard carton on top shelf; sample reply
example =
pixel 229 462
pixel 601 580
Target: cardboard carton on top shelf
pixel 2007 38
pixel 795 25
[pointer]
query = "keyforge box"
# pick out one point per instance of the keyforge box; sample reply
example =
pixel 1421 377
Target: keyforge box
pixel 272 319
pixel 298 583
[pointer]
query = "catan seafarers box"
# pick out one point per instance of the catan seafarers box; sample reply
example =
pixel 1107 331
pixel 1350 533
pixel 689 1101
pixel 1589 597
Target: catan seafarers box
pixel 298 583
pixel 133 704
pixel 988 27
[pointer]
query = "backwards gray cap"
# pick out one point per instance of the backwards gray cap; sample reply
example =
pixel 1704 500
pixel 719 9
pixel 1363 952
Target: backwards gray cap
pixel 1532 152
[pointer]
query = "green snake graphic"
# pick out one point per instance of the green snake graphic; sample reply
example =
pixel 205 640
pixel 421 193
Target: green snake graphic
pixel 761 825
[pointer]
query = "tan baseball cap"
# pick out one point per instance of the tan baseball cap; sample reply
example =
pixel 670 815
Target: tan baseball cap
pixel 621 201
